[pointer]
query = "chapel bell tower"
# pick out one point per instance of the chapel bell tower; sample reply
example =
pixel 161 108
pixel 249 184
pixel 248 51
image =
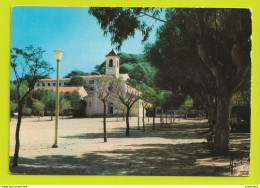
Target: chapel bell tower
pixel 112 64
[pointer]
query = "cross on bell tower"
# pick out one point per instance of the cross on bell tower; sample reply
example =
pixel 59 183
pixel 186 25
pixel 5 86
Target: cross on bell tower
pixel 112 64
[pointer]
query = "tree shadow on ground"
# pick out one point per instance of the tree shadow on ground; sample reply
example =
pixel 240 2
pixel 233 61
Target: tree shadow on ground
pixel 190 131
pixel 191 159
pixel 177 159
pixel 150 159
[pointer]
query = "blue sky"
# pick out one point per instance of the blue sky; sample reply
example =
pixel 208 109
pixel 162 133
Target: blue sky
pixel 71 29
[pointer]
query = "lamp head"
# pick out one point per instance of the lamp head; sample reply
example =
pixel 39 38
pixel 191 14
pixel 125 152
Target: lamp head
pixel 57 54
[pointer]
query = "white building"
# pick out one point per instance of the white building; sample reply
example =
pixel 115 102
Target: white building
pixel 93 105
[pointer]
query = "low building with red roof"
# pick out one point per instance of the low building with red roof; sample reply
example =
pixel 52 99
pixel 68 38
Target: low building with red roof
pixel 81 90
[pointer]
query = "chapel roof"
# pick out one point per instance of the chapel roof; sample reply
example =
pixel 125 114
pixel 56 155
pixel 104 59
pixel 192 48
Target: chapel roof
pixel 112 53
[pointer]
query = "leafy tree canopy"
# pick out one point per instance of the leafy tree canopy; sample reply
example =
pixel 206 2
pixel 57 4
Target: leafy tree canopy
pixel 49 100
pixel 27 65
pixel 64 105
pixel 76 73
pixel 122 23
pixel 38 106
pixel 13 106
pixel 13 90
pixel 74 98
pixel 77 80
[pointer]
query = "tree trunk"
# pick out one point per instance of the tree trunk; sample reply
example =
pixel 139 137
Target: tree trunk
pixel 51 116
pixel 123 115
pixel 143 121
pixel 228 78
pixel 104 123
pixel 212 113
pixel 171 116
pixel 207 115
pixel 153 118
pixel 17 133
pixel 127 122
pixel 222 127
pixel 161 117
pixel 166 116
pixel 39 115
pixel 62 114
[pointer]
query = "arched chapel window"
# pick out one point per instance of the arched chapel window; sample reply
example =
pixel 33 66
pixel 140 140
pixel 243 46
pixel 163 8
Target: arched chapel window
pixel 111 63
pixel 117 63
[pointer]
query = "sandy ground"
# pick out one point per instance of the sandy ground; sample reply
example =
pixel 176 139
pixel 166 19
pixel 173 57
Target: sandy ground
pixel 175 149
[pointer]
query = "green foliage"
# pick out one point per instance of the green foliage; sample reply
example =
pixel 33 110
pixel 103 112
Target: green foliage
pixel 131 58
pixel 122 23
pixel 142 72
pixel 74 99
pixel 168 99
pixel 39 94
pixel 219 37
pixel 38 106
pixel 100 69
pixel 149 94
pixel 125 61
pixel 76 74
pixel 64 105
pixel 13 91
pixel 243 96
pixel 27 65
pixel 136 66
pixel 132 81
pixel 76 105
pixel 175 55
pixel 76 80
pixel 13 106
pixel 164 99
pixel 29 111
pixel 188 102
pixel 49 100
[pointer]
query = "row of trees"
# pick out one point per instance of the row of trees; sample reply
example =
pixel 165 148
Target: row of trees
pixel 43 100
pixel 126 96
pixel 109 88
pixel 201 52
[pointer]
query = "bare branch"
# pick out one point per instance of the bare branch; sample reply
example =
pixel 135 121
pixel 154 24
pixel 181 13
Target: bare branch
pixel 153 17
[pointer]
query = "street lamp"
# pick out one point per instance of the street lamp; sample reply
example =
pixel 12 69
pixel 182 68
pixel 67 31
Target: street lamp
pixel 58 55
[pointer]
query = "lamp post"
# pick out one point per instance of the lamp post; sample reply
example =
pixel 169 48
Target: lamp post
pixel 58 55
